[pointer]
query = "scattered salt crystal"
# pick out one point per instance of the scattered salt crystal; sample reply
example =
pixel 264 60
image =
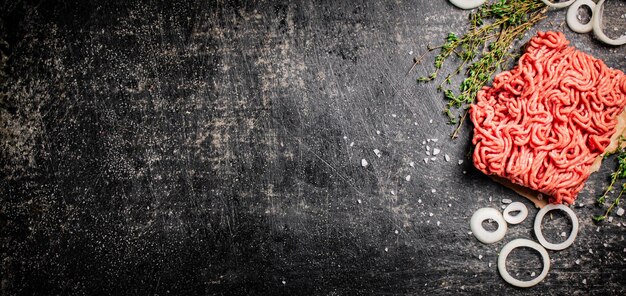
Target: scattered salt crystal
pixel 460 161
pixel 433 190
pixel 480 257
pixel 605 245
pixel 364 162
pixel 436 151
pixel 490 198
pixel 393 192
pixel 427 148
pixel 620 212
pixel 563 234
pixel 359 200
pixel 578 261
pixel 345 138
pixel 591 251
pixel 396 232
pixel 393 115
pixel 469 233
pixel 423 142
pixel 464 172
pixel 430 214
pixel 433 158
pixel 438 223
pixel 428 140
pixel 489 264
pixel 386 249
pixel 411 52
pixel 449 205
pixel 414 123
pixel 435 140
pixel 506 201
pixel 351 144
pixel 532 273
pixel 430 121
pixel 446 157
pixel 377 152
pixel 412 164
pixel 284 282
pixel 611 219
pixel 428 153
pixel 584 281
pixel 407 178
pixel 598 229
pixel 426 160
pixel 419 200
pixel 378 132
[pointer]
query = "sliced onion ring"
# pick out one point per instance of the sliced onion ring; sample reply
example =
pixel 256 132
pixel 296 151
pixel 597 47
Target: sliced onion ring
pixel 572 236
pixel 517 219
pixel 572 17
pixel 521 242
pixel 559 4
pixel 467 4
pixel 596 23
pixel 476 225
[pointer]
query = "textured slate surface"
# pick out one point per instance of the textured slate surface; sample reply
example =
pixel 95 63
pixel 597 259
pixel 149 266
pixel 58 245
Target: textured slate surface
pixel 186 147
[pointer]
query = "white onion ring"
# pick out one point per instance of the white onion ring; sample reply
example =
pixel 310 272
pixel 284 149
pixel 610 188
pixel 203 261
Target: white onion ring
pixel 558 5
pixel 572 236
pixel 572 17
pixel 517 219
pixel 476 224
pixel 596 21
pixel 467 4
pixel 521 242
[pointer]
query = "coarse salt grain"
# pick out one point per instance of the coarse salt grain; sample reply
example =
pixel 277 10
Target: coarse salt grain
pixel 433 190
pixel 430 214
pixel 446 157
pixel 364 162
pixel 412 164
pixel 620 212
pixel 433 158
pixel 436 151
pixel 460 161
pixel 408 178
pixel 359 200
pixel 435 140
pixel 378 132
pixel 426 160
pixel 378 153
pixel 351 144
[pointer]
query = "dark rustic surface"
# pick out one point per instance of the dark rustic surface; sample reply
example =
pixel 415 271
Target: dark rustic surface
pixel 183 147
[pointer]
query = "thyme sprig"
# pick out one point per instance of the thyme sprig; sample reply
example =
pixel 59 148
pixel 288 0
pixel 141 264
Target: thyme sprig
pixel 619 173
pixel 484 48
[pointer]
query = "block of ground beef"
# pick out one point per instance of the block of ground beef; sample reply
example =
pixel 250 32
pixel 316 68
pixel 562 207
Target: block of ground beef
pixel 543 123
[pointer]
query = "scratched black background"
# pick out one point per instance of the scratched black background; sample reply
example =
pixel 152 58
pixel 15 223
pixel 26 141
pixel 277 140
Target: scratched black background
pixel 190 147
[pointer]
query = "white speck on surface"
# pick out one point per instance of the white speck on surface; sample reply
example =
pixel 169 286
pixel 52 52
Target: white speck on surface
pixel 438 223
pixel 605 245
pixel 430 214
pixel 480 257
pixel 378 153
pixel 433 190
pixel 436 151
pixel 590 251
pixel 446 157
pixel 489 264
pixel 578 261
pixel 426 160
pixel 563 234
pixel 503 207
pixel 532 274
pixel 428 153
pixel 407 178
pixel 378 132
pixel 351 144
pixel 460 161
pixel 428 140
pixel 433 158
pixel 469 232
pixel 411 52
pixel 386 249
pixel 396 231
pixel 284 282
pixel 393 192
pixel 620 212
pixel 598 229
pixel 424 142
pixel 345 138
pixel 611 219
pixel 506 201
pixel 435 140
pixel 415 123
pixel 427 148
pixel 490 198
pixel 584 281
pixel 430 121
pixel 364 162
pixel 464 172
pixel 394 115
pixel 419 200
pixel 412 164
pixel 449 205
